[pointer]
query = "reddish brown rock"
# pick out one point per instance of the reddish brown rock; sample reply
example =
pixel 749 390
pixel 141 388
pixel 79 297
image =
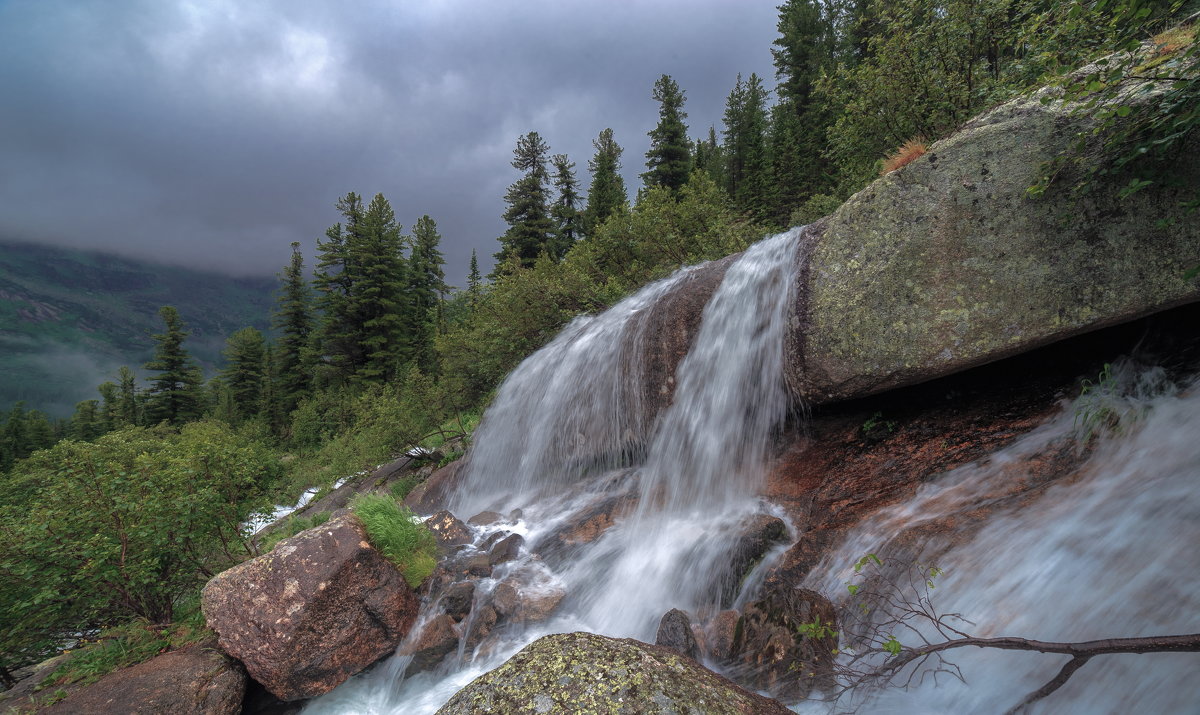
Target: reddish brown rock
pixel 755 538
pixel 770 653
pixel 506 549
pixel 720 634
pixel 433 494
pixel 486 518
pixel 199 680
pixel 456 600
pixel 438 639
pixel 449 531
pixel 319 608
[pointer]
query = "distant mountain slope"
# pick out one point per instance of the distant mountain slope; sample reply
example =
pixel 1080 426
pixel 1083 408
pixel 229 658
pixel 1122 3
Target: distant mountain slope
pixel 69 319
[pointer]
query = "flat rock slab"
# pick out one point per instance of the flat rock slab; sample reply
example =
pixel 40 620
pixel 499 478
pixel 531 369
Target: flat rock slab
pixel 588 673
pixel 320 607
pixel 199 680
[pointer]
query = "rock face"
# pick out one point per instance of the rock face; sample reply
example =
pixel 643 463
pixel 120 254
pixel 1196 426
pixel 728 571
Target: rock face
pixel 319 608
pixel 948 263
pixel 587 673
pixel 198 680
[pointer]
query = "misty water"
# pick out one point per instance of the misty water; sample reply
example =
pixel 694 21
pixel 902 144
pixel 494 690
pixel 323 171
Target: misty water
pixel 1111 554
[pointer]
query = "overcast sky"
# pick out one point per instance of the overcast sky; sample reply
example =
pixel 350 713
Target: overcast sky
pixel 213 133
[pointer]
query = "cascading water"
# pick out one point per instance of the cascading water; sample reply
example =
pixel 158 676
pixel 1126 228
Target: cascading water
pixel 1109 553
pixel 573 411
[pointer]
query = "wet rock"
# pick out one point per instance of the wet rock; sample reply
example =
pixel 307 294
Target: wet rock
pixel 486 518
pixel 456 600
pixel 755 538
pixel 588 673
pixel 491 540
pixel 675 633
pixel 769 652
pixel 317 609
pixel 199 680
pixel 479 625
pixel 526 602
pixel 438 639
pixel 448 531
pixel 507 549
pixel 720 634
pixel 584 527
pixel 433 494
pixel 477 565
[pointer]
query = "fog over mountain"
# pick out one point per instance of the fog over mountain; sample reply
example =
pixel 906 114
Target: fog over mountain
pixel 213 133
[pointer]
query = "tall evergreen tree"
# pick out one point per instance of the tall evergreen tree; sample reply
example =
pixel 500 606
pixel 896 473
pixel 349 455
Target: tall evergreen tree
pixel 426 287
pixel 530 228
pixel 175 392
pixel 474 283
pixel 339 341
pixel 87 423
pixel 128 410
pixel 709 156
pixel 565 212
pixel 668 161
pixel 378 295
pixel 747 169
pixel 243 373
pixel 607 191
pixel 293 318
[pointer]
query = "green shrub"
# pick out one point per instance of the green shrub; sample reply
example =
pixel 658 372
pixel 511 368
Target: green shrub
pixel 398 535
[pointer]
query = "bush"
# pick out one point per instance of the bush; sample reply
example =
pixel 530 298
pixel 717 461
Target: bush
pixel 123 527
pixel 398 535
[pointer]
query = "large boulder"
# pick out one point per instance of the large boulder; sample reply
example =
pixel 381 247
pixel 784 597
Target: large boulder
pixel 198 680
pixel 317 609
pixel 949 263
pixel 588 673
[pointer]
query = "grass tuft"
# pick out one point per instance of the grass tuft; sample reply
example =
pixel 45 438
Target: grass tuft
pixel 903 156
pixel 398 535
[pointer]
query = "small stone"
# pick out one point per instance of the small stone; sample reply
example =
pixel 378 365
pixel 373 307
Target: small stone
pixel 456 600
pixel 507 549
pixel 485 518
pixel 675 632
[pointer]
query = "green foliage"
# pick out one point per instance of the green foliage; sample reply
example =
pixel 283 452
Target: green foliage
pixel 121 527
pixel 668 161
pixel 245 373
pixel 1098 408
pixel 606 195
pixel 530 228
pixel 747 170
pixel 294 320
pixel 175 392
pixel 426 286
pixel 401 537
pixel 290 526
pixel 816 629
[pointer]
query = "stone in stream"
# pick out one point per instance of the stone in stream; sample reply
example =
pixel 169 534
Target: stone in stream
pixel 588 673
pixel 769 651
pixel 719 635
pixel 456 600
pixel 486 518
pixel 448 531
pixel 506 549
pixel 438 639
pixel 675 633
pixel 198 680
pixel 320 607
pixel 755 538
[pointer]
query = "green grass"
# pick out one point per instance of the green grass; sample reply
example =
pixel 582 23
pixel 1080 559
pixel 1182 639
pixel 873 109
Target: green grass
pixel 398 535
pixel 291 526
pixel 129 644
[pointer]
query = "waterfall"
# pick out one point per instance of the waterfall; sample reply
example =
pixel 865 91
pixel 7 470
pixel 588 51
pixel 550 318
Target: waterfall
pixel 1108 552
pixel 570 426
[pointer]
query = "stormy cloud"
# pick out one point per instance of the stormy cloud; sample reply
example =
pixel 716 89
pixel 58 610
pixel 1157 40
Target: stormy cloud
pixel 213 133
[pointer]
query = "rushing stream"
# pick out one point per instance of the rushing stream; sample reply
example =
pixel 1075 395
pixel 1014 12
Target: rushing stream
pixel 1111 553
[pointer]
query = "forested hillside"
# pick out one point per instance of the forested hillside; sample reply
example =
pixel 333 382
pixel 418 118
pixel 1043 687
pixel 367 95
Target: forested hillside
pixel 69 319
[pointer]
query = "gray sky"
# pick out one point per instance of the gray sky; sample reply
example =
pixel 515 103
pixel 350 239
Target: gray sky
pixel 212 133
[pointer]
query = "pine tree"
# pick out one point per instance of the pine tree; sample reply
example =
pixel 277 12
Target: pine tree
pixel 669 160
pixel 747 168
pixel 607 191
pixel 474 283
pixel 86 424
pixel 427 285
pixel 175 393
pixel 378 294
pixel 530 229
pixel 243 373
pixel 565 212
pixel 294 321
pixel 709 157
pixel 339 341
pixel 128 410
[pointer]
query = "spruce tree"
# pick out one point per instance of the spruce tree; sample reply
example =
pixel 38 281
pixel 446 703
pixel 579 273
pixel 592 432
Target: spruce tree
pixel 565 212
pixel 607 191
pixel 709 157
pixel 747 168
pixel 669 160
pixel 243 373
pixel 128 410
pixel 175 392
pixel 427 285
pixel 378 295
pixel 530 229
pixel 293 318
pixel 339 342
pixel 474 283
pixel 86 424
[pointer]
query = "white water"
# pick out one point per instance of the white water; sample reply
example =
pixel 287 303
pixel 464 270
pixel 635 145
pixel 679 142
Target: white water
pixel 1114 554
pixel 572 411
